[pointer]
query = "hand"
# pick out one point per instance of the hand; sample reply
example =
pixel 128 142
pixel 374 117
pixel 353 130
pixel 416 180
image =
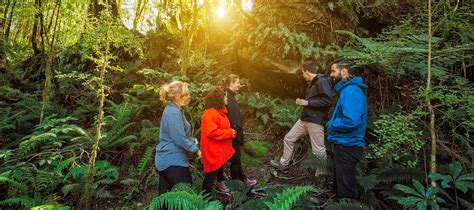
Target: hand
pixel 301 102
pixel 297 101
pixel 196 141
pixel 198 154
pixel 234 133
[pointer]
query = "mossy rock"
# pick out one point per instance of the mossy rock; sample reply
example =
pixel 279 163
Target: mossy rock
pixel 256 148
pixel 253 151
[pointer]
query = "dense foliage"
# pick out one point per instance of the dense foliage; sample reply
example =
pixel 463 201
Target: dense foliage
pixel 80 111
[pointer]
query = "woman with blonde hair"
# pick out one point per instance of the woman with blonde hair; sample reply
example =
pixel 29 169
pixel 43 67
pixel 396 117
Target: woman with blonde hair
pixel 176 143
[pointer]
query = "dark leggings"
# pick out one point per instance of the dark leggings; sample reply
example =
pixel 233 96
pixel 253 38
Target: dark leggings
pixel 235 170
pixel 172 176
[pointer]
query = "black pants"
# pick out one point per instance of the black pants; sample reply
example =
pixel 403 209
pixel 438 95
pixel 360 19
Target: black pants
pixel 172 176
pixel 236 166
pixel 345 161
pixel 235 171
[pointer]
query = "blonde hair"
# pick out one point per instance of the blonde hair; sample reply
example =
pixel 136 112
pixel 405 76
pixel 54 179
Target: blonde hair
pixel 173 91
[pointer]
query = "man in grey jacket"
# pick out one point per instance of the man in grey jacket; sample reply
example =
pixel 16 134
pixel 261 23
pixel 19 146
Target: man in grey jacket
pixel 316 106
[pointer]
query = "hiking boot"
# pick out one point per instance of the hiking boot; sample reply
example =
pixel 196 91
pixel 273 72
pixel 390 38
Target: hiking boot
pixel 221 187
pixel 276 164
pixel 248 181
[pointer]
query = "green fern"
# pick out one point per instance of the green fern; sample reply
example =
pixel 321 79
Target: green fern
pixel 24 201
pixel 184 200
pixel 145 159
pixel 397 174
pixel 12 182
pixel 63 164
pixel 288 198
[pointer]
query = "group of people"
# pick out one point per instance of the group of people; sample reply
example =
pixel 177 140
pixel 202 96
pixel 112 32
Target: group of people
pixel 221 137
pixel 346 128
pixel 222 132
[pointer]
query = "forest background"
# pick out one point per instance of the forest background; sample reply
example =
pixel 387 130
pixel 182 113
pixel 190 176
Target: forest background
pixel 80 111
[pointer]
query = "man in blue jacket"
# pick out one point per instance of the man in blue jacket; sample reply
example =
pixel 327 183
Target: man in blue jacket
pixel 347 126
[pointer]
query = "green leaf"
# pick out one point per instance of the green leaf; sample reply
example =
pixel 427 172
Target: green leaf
pixel 331 6
pixel 433 204
pixel 455 169
pixel 466 177
pixel 419 187
pixel 439 200
pixel 437 176
pixel 431 191
pixel 409 201
pixel 461 186
pixel 422 205
pixel 407 190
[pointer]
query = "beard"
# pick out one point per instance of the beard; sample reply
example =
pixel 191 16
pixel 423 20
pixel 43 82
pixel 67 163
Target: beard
pixel 336 78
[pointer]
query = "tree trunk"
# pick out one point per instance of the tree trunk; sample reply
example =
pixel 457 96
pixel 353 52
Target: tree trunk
pixel 432 127
pixel 48 70
pixel 188 39
pixel 141 5
pixel 7 19
pixel 34 33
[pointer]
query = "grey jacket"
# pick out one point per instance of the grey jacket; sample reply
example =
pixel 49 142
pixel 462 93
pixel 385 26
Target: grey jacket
pixel 176 142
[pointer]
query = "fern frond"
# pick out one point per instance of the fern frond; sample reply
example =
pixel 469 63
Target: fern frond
pixel 76 172
pixel 145 159
pixel 12 182
pixel 119 142
pixel 288 198
pixel 63 164
pixel 24 201
pixel 397 174
pixel 184 200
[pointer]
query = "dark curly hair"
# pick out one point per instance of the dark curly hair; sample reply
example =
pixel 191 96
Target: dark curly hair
pixel 215 98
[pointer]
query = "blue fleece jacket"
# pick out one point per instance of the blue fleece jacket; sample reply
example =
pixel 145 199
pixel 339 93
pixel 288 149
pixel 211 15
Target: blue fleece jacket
pixel 349 118
pixel 175 139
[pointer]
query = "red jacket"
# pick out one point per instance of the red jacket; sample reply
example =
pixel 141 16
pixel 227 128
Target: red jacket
pixel 216 139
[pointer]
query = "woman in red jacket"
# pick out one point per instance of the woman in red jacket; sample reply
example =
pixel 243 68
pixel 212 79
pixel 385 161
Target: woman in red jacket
pixel 216 140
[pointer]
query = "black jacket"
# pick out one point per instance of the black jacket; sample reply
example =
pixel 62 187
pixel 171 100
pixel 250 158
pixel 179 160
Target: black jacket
pixel 233 113
pixel 320 98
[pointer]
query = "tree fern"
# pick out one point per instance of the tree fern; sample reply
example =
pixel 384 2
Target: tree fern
pixel 145 159
pixel 184 200
pixel 288 198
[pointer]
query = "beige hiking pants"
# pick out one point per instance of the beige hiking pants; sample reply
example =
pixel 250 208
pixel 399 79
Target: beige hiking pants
pixel 299 129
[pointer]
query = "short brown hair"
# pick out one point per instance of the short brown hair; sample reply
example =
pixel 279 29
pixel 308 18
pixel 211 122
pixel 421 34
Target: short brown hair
pixel 215 98
pixel 230 79
pixel 310 66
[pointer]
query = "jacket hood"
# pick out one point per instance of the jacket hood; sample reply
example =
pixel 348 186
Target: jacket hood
pixel 358 81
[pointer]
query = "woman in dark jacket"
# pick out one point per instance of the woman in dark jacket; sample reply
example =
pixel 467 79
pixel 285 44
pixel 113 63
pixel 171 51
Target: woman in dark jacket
pixel 232 82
